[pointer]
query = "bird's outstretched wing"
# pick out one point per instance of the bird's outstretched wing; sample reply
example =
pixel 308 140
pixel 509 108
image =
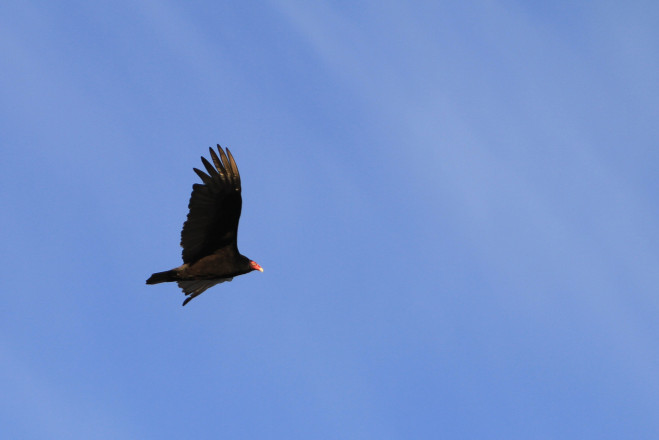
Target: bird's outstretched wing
pixel 194 288
pixel 215 206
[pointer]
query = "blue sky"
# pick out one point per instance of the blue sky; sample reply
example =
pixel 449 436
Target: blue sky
pixel 455 204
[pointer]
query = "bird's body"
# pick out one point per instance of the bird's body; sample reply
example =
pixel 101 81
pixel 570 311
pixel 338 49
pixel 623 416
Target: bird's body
pixel 209 235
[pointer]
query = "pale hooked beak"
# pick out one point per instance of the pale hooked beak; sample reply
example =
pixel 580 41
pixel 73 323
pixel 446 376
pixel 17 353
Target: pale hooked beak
pixel 256 266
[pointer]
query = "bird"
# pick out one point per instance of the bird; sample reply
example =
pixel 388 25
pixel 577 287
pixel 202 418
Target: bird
pixel 210 232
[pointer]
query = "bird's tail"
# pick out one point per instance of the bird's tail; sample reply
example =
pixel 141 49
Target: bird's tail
pixel 162 277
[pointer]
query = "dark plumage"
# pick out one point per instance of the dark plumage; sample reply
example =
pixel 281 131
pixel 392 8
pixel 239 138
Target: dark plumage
pixel 209 235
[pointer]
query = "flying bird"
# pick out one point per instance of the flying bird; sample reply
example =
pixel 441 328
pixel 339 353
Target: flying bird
pixel 209 235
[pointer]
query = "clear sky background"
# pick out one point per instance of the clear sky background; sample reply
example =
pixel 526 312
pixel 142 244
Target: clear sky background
pixel 455 204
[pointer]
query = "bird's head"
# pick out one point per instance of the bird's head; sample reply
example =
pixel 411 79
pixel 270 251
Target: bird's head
pixel 255 266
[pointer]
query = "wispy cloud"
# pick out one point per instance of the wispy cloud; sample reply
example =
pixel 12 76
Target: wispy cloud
pixel 499 124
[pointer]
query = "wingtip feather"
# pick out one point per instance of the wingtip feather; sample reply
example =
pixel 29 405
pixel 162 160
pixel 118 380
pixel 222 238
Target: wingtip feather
pixel 211 170
pixel 234 167
pixel 204 177
pixel 216 160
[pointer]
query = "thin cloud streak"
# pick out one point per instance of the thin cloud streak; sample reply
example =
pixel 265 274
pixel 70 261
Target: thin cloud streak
pixel 481 176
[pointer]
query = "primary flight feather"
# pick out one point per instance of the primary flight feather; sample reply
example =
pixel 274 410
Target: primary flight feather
pixel 210 233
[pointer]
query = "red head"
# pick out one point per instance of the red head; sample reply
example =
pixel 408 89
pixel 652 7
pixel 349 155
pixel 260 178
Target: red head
pixel 255 266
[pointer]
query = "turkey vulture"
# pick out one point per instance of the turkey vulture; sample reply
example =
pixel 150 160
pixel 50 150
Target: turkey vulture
pixel 209 235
